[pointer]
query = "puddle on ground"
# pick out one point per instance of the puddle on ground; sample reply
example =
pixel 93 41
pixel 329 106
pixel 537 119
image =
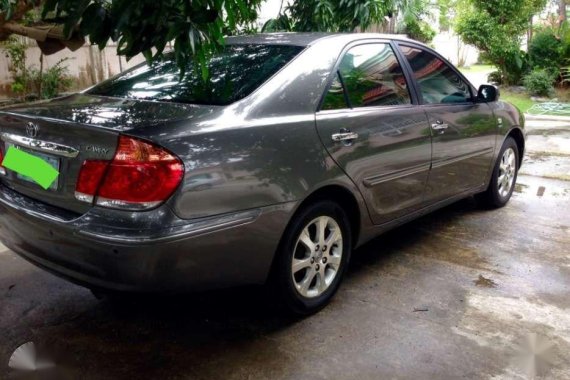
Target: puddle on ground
pixel 520 187
pixel 485 282
pixel 497 323
pixel 532 187
pixel 546 132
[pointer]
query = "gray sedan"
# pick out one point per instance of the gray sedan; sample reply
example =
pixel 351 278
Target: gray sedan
pixel 298 149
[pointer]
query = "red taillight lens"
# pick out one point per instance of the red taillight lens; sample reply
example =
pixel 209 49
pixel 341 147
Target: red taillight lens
pixel 90 177
pixel 140 176
pixel 2 170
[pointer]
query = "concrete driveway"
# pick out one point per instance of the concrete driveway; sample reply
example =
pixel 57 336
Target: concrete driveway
pixel 449 296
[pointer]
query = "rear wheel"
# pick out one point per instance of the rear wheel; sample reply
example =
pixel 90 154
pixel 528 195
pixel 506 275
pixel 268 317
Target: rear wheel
pixel 312 258
pixel 504 176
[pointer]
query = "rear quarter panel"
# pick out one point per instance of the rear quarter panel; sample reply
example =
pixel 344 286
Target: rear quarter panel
pixel 261 151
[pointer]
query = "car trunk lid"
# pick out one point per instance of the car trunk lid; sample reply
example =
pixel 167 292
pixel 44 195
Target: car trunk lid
pixel 70 130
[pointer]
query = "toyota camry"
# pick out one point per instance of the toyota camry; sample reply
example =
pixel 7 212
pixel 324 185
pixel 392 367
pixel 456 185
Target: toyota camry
pixel 297 149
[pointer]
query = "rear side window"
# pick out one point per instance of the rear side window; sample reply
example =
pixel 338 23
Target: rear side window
pixel 372 77
pixel 235 72
pixel 336 97
pixel 438 82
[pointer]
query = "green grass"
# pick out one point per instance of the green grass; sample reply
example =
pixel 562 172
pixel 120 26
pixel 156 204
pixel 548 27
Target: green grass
pixel 522 101
pixel 478 69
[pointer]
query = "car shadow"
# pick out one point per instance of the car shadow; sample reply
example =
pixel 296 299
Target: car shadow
pixel 163 336
pixel 383 248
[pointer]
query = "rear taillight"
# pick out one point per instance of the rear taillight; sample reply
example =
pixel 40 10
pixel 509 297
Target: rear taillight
pixel 140 176
pixel 2 170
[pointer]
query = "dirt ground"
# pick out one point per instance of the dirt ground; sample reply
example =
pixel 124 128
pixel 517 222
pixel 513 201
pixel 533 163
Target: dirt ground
pixel 453 295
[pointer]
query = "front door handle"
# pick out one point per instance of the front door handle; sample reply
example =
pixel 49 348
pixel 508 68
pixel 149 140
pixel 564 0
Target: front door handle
pixel 344 136
pixel 439 126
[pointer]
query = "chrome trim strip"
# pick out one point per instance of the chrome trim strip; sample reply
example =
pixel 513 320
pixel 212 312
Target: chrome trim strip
pixel 378 179
pixel 440 163
pixel 182 232
pixel 40 145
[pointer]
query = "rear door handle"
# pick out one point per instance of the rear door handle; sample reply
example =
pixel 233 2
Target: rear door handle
pixel 345 136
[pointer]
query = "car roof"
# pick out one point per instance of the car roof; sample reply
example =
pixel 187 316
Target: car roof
pixel 307 39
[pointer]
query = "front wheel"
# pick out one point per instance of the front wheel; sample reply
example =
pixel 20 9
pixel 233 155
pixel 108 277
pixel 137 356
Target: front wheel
pixel 312 258
pixel 504 176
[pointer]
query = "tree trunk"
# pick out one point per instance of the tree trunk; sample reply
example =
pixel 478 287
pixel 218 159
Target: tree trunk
pixel 529 34
pixel 20 9
pixel 41 76
pixel 562 11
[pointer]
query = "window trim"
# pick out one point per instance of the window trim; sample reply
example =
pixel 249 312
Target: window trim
pixel 414 100
pixel 344 92
pixel 421 101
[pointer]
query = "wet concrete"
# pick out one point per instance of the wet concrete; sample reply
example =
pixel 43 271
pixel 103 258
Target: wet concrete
pixel 447 296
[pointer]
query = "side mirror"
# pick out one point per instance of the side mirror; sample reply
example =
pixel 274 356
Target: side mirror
pixel 488 93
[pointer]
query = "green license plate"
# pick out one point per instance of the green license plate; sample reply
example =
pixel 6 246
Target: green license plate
pixel 53 161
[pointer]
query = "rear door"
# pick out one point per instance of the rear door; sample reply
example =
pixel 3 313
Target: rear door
pixel 371 126
pixel 463 130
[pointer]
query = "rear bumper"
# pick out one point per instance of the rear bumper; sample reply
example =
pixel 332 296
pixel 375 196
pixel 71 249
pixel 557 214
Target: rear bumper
pixel 98 251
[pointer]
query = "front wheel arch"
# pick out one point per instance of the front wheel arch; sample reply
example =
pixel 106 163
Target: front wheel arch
pixel 518 135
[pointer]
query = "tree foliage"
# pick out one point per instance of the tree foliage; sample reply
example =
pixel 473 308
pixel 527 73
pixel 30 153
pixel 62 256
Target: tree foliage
pixel 412 14
pixel 496 28
pixel 195 27
pixel 330 16
pixel 444 19
pixel 348 15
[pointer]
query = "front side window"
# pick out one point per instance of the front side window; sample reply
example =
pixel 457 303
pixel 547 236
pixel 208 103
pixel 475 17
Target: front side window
pixel 438 82
pixel 371 76
pixel 234 73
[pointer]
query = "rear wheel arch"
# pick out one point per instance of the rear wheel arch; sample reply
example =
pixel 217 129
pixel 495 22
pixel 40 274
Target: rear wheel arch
pixel 344 198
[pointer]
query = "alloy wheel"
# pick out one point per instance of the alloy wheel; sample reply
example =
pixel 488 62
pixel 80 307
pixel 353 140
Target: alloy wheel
pixel 317 257
pixel 507 172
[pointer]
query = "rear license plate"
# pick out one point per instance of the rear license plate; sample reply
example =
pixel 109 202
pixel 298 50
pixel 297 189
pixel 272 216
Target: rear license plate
pixel 53 161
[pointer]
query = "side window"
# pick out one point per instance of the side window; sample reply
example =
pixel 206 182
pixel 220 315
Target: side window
pixel 438 82
pixel 371 76
pixel 335 98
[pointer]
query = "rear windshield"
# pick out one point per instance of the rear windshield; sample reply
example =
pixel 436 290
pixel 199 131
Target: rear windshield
pixel 235 72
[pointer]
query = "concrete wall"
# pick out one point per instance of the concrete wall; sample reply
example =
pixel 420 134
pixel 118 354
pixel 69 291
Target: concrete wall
pixel 450 46
pixel 88 65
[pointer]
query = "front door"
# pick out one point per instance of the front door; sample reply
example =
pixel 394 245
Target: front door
pixel 463 130
pixel 373 131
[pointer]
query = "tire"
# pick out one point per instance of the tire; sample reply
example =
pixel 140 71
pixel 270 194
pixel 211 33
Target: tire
pixel 296 291
pixel 498 194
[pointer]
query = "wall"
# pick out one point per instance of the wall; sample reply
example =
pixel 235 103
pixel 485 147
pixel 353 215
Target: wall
pixel 88 65
pixel 449 45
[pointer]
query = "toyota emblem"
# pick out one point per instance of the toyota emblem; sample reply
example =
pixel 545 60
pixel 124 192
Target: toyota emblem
pixel 32 130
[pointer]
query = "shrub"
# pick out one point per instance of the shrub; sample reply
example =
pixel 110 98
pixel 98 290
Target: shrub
pixel 539 82
pixel 52 81
pixel 545 51
pixel 27 81
pixel 514 65
pixel 495 77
